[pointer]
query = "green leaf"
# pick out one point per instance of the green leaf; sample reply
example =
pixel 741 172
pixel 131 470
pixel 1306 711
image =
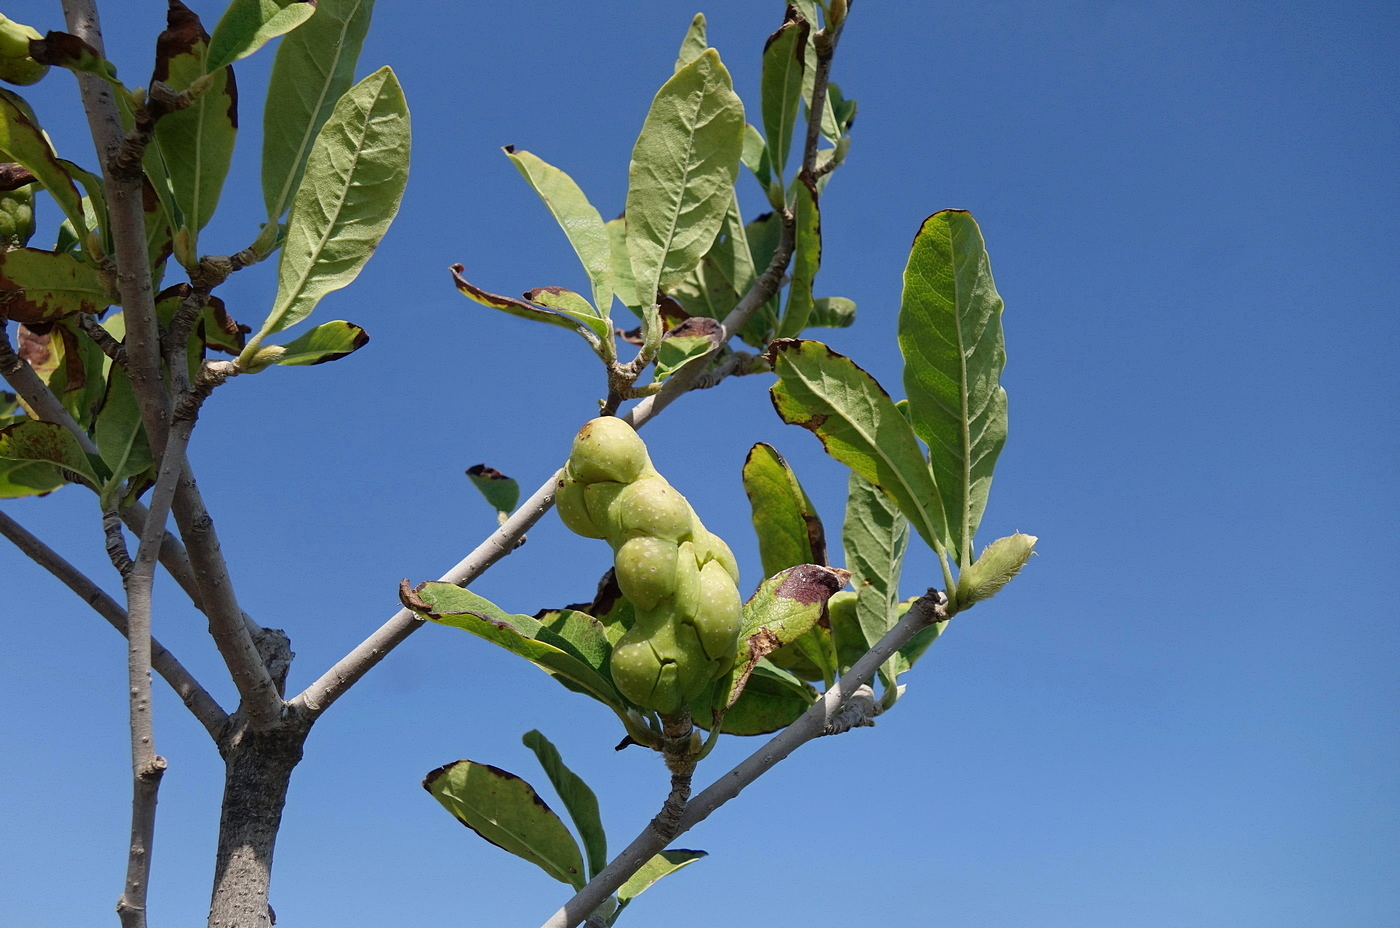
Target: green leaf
pixel 579 800
pixel 806 259
pixel 875 537
pixel 541 645
pixel 507 811
pixel 783 609
pixel 42 286
pixel 694 42
pixel 754 156
pixel 832 312
pixel 683 166
pixel 771 700
pixel 573 312
pixel 663 864
pixel 950 335
pixel 248 25
pixel 49 443
pixel 690 340
pixel 624 287
pixel 23 142
pixel 573 305
pixel 120 438
pixel 195 143
pixel 314 66
pixel 789 530
pixel 329 341
pixel 860 426
pixel 354 180
pixel 500 491
pixel 578 218
pixel 19 479
pixel 784 64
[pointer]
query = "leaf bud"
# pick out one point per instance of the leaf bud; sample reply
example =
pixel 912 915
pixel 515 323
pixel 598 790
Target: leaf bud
pixel 1000 561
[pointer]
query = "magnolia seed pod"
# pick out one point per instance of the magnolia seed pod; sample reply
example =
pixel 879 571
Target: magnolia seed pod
pixel 646 570
pixel 569 501
pixel 720 552
pixel 16 216
pixel 597 500
pixel 716 620
pixel 607 449
pixel 686 591
pixel 649 506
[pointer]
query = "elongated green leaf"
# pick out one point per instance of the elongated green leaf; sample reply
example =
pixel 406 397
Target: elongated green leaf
pixel 578 218
pixel 314 66
pixel 507 811
pixel 329 341
pixel 500 491
pixel 694 42
pixel 950 335
pixel 354 180
pixel 789 530
pixel 692 339
pixel 118 433
pixel 248 25
pixel 663 864
pixel 875 536
pixel 41 286
pixel 806 259
pixel 23 142
pixel 784 63
pixel 860 426
pixel 573 305
pixel 19 479
pixel 624 287
pixel 544 647
pixel 49 443
pixel 579 800
pixel 683 166
pixel 195 143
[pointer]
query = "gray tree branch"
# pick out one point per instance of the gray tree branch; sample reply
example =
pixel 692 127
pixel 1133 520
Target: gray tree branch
pixel 932 607
pixel 126 215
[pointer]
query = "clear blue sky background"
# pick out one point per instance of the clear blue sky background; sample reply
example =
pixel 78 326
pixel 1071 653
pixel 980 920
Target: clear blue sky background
pixel 1185 712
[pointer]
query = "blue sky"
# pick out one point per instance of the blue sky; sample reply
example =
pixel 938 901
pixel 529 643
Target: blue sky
pixel 1184 712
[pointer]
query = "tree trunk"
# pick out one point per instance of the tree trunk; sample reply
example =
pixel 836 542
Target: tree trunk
pixel 258 769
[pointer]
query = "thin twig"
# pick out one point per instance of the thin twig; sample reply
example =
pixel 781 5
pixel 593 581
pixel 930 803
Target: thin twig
pixel 191 693
pixel 932 607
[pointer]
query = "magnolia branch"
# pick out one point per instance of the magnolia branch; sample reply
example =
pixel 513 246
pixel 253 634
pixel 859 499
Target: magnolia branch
pixel 143 346
pixel 816 721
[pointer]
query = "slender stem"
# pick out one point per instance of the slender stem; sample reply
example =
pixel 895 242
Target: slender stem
pixel 147 766
pixel 194 696
pixel 815 722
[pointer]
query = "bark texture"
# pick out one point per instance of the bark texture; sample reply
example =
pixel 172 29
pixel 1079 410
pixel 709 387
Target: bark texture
pixel 257 770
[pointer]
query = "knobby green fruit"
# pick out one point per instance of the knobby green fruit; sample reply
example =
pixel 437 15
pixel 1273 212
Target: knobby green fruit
pixel 682 580
pixel 16 217
pixel 16 66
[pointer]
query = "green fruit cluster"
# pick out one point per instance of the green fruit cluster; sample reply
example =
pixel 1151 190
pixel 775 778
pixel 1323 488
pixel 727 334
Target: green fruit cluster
pixel 15 64
pixel 682 580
